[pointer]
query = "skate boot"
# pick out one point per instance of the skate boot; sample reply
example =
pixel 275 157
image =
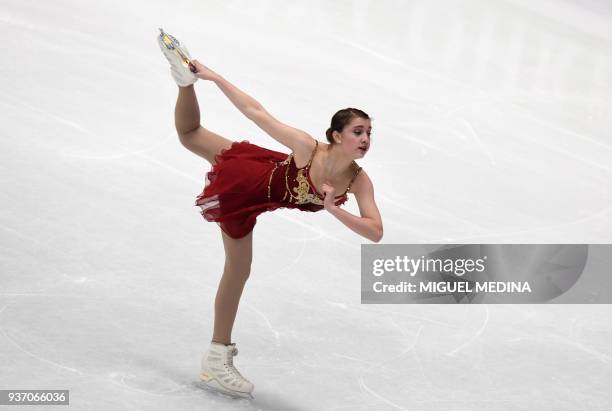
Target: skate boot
pixel 218 371
pixel 180 61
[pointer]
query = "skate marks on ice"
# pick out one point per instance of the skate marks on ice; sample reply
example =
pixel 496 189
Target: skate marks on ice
pixel 133 370
pixel 381 365
pixel 146 374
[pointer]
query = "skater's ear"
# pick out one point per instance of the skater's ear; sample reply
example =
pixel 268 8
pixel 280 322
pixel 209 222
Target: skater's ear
pixel 337 137
pixel 333 136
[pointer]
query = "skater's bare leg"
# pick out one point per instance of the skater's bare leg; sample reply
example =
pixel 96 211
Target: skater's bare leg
pixel 192 135
pixel 238 257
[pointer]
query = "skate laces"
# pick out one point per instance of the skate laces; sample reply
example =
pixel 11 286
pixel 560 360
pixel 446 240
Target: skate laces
pixel 231 354
pixel 230 362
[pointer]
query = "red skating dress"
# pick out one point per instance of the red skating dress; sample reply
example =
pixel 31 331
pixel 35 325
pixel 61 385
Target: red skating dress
pixel 248 180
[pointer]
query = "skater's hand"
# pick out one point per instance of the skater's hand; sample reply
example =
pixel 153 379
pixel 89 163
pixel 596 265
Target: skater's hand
pixel 204 72
pixel 329 192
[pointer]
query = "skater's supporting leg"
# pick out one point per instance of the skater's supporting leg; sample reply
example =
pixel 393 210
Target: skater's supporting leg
pixel 194 137
pixel 238 257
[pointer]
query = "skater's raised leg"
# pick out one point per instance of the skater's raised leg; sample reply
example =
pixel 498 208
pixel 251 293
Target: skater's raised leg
pixel 186 111
pixel 192 135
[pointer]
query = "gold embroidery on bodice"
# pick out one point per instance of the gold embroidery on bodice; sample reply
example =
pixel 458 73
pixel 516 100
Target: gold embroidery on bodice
pixel 302 191
pixel 301 194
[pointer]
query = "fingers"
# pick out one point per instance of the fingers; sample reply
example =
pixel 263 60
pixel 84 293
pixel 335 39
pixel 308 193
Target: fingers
pixel 198 66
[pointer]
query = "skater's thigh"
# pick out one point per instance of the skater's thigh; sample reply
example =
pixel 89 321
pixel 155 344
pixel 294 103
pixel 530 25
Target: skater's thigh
pixel 238 253
pixel 205 143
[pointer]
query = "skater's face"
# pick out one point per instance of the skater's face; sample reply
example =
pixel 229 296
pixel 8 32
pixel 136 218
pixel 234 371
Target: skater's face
pixel 355 137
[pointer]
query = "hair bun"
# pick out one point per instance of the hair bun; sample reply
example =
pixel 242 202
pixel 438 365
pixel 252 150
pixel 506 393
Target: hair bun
pixel 329 135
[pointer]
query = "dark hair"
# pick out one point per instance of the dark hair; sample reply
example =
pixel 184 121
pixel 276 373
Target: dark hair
pixel 341 119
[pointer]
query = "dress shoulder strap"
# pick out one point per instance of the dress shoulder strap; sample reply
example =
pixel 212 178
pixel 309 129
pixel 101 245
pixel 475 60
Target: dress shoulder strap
pixel 313 152
pixel 357 170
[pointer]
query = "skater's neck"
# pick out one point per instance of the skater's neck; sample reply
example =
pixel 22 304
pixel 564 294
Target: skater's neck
pixel 334 162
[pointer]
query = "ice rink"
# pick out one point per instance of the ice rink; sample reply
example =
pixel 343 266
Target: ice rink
pixel 491 124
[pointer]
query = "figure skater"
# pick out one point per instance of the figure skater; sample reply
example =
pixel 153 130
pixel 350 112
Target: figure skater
pixel 246 180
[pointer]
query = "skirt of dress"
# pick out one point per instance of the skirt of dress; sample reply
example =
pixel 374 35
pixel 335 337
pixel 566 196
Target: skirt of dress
pixel 236 187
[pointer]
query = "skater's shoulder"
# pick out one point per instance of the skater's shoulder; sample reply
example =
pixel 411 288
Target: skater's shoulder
pixel 304 149
pixel 361 181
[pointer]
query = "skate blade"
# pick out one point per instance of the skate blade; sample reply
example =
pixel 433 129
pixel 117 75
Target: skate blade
pixel 173 44
pixel 210 382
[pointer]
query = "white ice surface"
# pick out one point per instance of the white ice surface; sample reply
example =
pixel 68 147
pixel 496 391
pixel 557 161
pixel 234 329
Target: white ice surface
pixel 491 124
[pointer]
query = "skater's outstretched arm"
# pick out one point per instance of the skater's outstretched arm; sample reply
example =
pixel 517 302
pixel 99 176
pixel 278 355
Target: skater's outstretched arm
pixel 288 136
pixel 369 225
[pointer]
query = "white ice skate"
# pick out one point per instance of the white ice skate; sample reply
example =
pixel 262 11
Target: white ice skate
pixel 218 371
pixel 181 67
